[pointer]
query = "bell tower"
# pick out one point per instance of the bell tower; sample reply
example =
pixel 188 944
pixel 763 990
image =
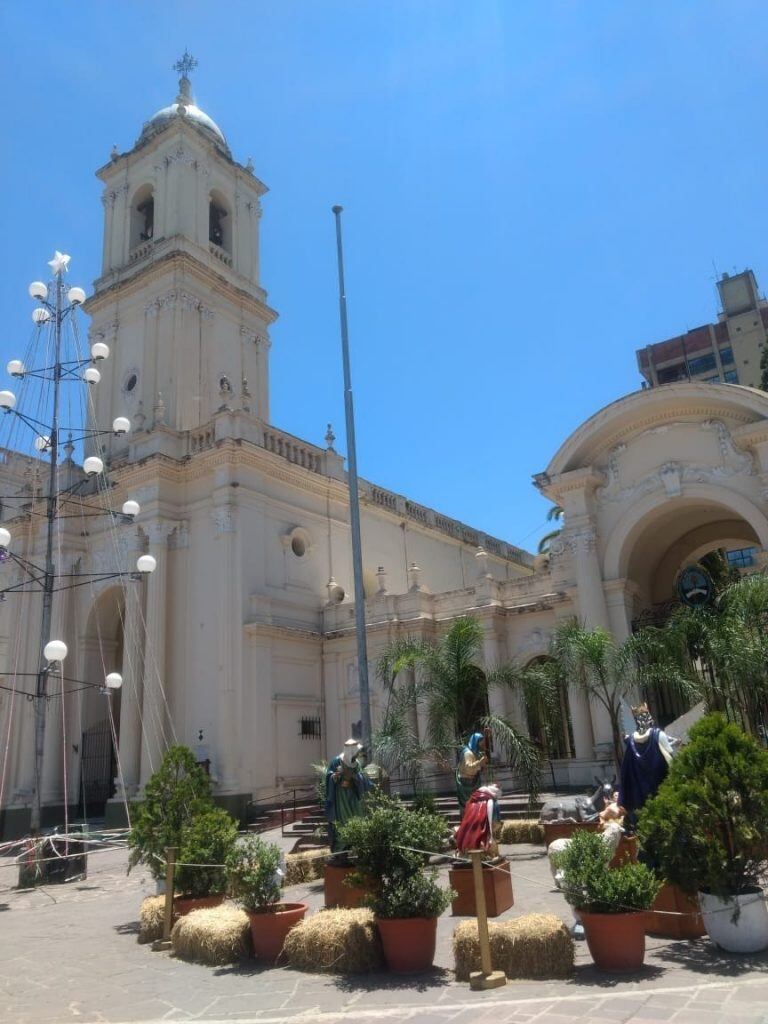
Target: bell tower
pixel 179 301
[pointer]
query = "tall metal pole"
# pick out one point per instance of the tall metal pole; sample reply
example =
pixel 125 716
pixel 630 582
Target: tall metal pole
pixel 354 502
pixel 41 697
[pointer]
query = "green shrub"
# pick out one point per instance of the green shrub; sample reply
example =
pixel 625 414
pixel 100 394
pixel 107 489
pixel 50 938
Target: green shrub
pixel 177 792
pixel 589 884
pixel 208 839
pixel 416 895
pixel 391 846
pixel 425 802
pixel 384 839
pixel 708 824
pixel 252 873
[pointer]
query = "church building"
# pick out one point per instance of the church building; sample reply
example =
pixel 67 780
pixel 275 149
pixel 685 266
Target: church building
pixel 241 644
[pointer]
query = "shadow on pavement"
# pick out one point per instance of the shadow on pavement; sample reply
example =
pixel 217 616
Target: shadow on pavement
pixel 435 978
pixel 705 958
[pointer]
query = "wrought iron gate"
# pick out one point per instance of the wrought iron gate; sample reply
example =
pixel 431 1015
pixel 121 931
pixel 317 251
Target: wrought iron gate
pixel 97 769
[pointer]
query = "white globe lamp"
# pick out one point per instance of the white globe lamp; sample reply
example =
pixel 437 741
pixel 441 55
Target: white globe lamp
pixel 121 425
pixel 92 375
pixel 114 681
pixel 131 508
pixel 146 563
pixel 76 296
pixel 40 315
pixel 99 350
pixel 93 464
pixel 7 400
pixel 55 650
pixel 16 368
pixel 38 290
pixel 42 443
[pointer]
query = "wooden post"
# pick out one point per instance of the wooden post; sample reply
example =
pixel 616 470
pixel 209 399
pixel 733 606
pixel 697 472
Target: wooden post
pixel 170 870
pixel 486 977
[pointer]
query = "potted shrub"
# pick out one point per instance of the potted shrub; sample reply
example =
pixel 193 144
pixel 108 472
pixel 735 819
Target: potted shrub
pixel 207 839
pixel 611 902
pixel 175 794
pixel 405 897
pixel 707 827
pixel 254 877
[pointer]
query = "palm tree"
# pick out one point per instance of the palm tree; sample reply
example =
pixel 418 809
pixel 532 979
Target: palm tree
pixel 717 655
pixel 599 667
pixel 452 688
pixel 554 515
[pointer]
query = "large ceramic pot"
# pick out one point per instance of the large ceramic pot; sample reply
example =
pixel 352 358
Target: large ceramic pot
pixel 409 942
pixel 748 933
pixel 270 927
pixel 616 941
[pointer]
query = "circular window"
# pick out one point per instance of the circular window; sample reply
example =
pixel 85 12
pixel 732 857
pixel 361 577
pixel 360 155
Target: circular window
pixel 298 546
pixel 130 382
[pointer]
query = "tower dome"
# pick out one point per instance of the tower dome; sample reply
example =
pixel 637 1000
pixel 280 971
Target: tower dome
pixel 184 107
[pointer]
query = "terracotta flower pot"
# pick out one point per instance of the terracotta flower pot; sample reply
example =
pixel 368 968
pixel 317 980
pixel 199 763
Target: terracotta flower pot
pixel 184 905
pixel 270 927
pixel 616 941
pixel 409 942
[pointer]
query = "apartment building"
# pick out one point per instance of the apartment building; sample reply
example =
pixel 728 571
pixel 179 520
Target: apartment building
pixel 725 352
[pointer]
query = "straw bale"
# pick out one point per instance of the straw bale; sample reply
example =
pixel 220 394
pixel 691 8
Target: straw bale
pixel 216 935
pixel 533 946
pixel 335 942
pixel 151 919
pixel 306 865
pixel 521 830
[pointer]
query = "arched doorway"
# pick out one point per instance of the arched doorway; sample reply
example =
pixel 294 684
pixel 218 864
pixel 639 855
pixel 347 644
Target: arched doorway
pixel 99 724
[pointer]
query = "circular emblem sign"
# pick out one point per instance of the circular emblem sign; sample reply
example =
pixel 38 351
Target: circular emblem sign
pixel 694 586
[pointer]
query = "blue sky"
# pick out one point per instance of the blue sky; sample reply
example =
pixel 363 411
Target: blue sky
pixel 531 189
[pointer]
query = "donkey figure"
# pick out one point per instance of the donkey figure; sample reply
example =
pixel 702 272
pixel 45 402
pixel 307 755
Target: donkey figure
pixel 579 808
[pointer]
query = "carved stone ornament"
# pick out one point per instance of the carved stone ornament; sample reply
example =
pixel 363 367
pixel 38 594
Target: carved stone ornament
pixel 582 539
pixel 179 297
pixel 254 337
pixel 223 519
pixel 672 475
pixel 181 156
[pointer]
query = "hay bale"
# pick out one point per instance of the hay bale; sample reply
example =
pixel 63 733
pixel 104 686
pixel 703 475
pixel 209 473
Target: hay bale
pixel 335 942
pixel 534 946
pixel 151 918
pixel 305 866
pixel 216 935
pixel 521 830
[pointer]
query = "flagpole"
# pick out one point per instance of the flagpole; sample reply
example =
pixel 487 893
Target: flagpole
pixel 354 503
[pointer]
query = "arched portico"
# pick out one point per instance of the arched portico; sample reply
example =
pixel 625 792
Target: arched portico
pixel 650 484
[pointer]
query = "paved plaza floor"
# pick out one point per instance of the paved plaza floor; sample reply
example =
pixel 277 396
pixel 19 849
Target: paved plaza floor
pixel 69 953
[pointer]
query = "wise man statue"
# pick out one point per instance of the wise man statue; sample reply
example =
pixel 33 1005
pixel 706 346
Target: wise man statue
pixel 345 786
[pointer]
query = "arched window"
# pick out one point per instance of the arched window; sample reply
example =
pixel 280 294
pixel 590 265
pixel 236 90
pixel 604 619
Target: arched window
pixel 219 223
pixel 548 711
pixel 142 217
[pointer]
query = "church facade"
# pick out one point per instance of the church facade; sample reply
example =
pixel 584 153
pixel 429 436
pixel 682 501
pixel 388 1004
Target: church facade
pixel 241 644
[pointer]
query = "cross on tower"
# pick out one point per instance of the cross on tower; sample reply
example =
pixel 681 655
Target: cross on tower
pixel 185 64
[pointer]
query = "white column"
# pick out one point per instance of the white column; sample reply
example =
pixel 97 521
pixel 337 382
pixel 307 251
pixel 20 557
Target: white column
pixel 129 743
pixel 593 611
pixel 229 647
pixel 497 698
pixel 155 724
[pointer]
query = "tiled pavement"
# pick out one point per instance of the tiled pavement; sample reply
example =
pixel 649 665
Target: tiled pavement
pixel 69 953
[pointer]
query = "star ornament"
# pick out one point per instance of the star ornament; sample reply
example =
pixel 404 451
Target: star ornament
pixel 60 262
